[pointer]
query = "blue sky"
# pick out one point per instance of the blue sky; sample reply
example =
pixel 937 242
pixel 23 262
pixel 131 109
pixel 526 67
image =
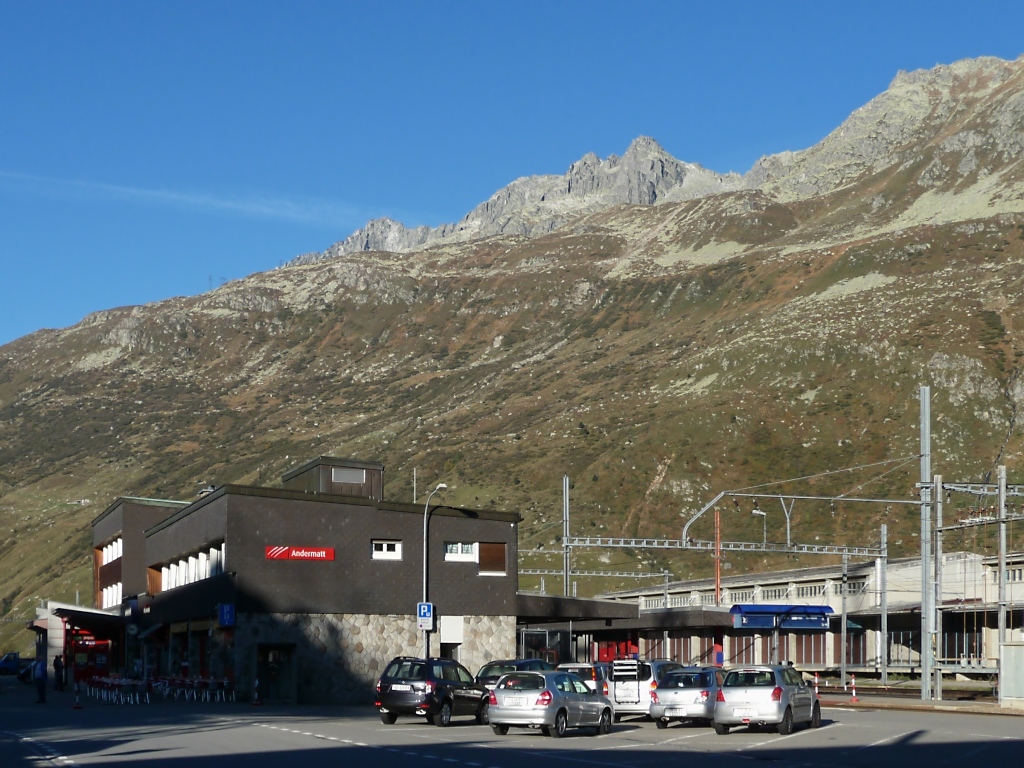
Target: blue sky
pixel 150 150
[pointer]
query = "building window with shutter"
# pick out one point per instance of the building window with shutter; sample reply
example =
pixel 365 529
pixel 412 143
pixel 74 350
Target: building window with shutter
pixel 492 558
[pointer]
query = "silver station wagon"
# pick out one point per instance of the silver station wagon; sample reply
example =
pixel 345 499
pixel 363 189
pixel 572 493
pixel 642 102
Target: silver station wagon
pixel 551 701
pixel 686 694
pixel 765 695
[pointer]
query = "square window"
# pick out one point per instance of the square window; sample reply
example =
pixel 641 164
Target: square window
pixel 387 549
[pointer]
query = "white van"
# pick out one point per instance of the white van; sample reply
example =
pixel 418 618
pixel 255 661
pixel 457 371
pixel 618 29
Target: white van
pixel 633 680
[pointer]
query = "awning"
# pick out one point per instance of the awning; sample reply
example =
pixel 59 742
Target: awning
pixel 752 616
pixel 98 623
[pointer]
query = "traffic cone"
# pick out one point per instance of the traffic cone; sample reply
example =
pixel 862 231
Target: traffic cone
pixel 815 685
pixel 256 694
pixel 77 704
pixel 853 688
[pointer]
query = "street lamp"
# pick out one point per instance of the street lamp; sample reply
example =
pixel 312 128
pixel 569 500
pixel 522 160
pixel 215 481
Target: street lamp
pixel 426 517
pixel 764 523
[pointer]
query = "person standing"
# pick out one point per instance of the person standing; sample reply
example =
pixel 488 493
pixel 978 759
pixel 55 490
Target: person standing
pixel 40 677
pixel 58 673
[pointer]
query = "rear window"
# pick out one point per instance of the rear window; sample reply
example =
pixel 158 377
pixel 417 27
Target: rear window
pixel 522 683
pixel 586 673
pixel 686 680
pixel 749 679
pixel 665 669
pixel 405 670
pixel 495 670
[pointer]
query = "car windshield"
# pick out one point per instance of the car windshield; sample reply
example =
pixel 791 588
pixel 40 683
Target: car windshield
pixel 686 680
pixel 495 670
pixel 522 683
pixel 405 670
pixel 749 679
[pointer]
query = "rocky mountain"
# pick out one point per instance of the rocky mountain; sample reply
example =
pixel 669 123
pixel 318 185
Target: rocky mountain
pixel 657 350
pixel 535 205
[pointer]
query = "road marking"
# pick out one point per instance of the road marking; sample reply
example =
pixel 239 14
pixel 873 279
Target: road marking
pixel 777 739
pixel 889 738
pixel 687 736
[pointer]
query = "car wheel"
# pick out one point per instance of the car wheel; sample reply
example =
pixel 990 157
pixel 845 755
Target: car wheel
pixel 499 730
pixel 481 714
pixel 561 723
pixel 786 726
pixel 605 726
pixel 444 715
pixel 816 716
pixel 721 729
pixel 661 723
pixel 388 718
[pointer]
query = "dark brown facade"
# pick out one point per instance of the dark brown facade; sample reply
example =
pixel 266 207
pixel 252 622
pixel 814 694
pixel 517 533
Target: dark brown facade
pixel 126 519
pixel 338 477
pixel 250 520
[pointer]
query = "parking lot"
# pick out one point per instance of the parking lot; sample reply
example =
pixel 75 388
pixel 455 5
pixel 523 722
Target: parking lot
pixel 168 734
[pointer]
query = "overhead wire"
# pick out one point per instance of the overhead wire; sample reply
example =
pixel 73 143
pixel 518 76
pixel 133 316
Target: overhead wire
pixel 901 460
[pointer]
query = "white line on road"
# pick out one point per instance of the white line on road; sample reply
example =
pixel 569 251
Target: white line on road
pixel 888 738
pixel 777 739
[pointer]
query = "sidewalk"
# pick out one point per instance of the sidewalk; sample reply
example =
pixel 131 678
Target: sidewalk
pixel 873 701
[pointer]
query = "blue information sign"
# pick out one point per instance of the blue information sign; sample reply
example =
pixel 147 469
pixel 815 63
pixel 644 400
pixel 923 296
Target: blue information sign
pixel 425 616
pixel 226 615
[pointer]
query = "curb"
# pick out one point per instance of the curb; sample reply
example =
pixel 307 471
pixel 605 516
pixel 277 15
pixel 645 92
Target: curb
pixel 964 709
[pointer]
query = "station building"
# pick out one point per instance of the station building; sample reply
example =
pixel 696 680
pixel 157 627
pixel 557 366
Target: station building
pixel 309 588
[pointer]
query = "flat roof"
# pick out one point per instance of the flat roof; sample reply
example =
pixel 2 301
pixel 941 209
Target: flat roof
pixel 139 500
pixel 328 498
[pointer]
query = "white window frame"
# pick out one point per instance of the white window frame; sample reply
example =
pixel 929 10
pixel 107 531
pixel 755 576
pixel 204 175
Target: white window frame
pixel 462 556
pixel 379 549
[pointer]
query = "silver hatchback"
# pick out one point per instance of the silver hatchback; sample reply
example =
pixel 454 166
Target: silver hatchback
pixel 550 701
pixel 765 695
pixel 686 694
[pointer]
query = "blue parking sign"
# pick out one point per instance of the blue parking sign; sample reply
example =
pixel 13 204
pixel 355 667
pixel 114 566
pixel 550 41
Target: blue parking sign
pixel 425 616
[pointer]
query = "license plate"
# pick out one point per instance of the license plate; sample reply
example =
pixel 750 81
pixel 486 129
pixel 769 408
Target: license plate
pixel 515 701
pixel 743 712
pixel 675 712
pixel 401 687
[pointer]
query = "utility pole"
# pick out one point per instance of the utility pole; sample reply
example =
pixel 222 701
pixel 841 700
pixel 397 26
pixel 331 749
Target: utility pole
pixel 565 535
pixel 1001 480
pixel 937 593
pixel 718 558
pixel 884 588
pixel 842 632
pixel 926 546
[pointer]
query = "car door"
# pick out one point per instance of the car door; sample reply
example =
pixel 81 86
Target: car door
pixel 590 705
pixel 569 698
pixel 800 694
pixel 464 692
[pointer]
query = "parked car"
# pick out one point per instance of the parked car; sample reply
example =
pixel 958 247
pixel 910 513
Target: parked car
pixel 437 689
pixel 550 701
pixel 492 670
pixel 632 682
pixel 686 694
pixel 765 695
pixel 595 675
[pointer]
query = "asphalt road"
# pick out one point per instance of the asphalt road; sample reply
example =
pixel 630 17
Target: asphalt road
pixel 172 734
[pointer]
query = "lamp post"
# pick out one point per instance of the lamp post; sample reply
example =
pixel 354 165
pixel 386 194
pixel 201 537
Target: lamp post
pixel 426 517
pixel 764 524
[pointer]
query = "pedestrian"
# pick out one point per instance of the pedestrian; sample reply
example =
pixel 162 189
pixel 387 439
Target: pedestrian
pixel 58 673
pixel 39 673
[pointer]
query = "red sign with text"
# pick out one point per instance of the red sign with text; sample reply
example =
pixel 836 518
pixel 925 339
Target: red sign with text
pixel 299 553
